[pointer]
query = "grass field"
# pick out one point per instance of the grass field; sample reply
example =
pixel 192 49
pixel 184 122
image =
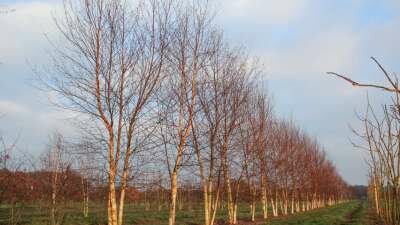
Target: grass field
pixel 351 213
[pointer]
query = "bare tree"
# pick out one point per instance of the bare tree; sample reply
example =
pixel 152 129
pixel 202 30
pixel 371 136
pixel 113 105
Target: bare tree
pixel 56 163
pixel 235 93
pixel 85 163
pixel 380 138
pixel 257 119
pixel 190 47
pixel 108 71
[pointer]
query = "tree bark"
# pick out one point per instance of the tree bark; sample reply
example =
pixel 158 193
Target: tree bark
pixel 172 207
pixel 112 216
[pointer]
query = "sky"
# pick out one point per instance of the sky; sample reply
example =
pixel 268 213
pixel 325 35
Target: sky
pixel 297 41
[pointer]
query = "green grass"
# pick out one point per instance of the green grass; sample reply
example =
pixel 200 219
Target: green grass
pixel 334 215
pixel 359 217
pixel 350 213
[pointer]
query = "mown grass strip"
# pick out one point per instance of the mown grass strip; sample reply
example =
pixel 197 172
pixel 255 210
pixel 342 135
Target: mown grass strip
pixel 334 215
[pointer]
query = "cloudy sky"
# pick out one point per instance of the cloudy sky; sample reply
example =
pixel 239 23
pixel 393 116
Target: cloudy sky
pixel 297 41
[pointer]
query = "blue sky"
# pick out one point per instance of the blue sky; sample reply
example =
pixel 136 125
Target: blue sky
pixel 296 40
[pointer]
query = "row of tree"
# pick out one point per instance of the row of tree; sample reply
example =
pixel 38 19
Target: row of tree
pixel 153 84
pixel 287 172
pixel 381 139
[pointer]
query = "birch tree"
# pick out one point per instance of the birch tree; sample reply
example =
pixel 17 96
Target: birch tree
pixel 235 91
pixel 56 163
pixel 380 138
pixel 190 47
pixel 260 120
pixel 107 70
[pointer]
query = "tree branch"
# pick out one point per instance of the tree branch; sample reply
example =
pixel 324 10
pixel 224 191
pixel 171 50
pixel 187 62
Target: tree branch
pixel 354 83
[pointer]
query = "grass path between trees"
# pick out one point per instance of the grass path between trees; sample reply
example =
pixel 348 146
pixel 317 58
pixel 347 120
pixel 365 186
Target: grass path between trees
pixel 351 213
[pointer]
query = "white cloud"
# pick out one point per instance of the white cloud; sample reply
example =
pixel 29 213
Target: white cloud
pixel 262 11
pixel 12 108
pixel 32 123
pixel 314 54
